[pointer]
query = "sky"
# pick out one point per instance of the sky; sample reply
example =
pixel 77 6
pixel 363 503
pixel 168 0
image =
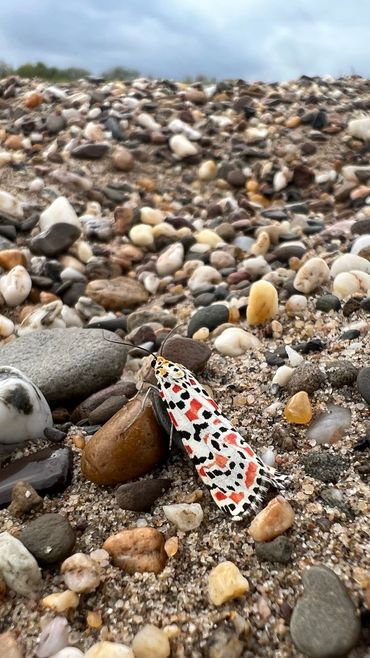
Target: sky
pixel 250 39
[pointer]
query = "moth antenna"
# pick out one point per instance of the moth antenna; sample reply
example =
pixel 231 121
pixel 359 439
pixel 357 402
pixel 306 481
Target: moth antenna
pixel 122 342
pixel 169 336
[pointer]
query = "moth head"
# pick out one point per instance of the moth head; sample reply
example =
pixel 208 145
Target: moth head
pixel 166 368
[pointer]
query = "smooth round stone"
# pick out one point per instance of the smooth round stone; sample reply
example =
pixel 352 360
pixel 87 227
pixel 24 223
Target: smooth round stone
pixel 282 375
pixel 234 341
pixel 262 304
pixel 208 237
pixel 203 275
pixel 362 226
pixel 10 205
pixel 330 426
pixel 141 496
pixel 129 445
pixel 273 520
pixel 341 373
pixel 53 638
pixel 81 573
pixel 207 170
pixel 59 211
pixel 306 377
pixel 15 286
pixel 55 240
pixel 151 642
pixel 117 293
pixel 205 299
pixel 75 363
pixel 290 250
pixel 298 409
pixel 361 246
pixel 18 567
pixel 210 317
pixel 348 263
pixel 311 275
pixel 221 259
pixel 137 550
pixel 109 650
pixel 141 235
pixel 190 353
pixel 347 284
pixel 6 327
pixel 324 622
pixel 170 260
pixel 296 305
pixel 359 128
pixel 327 303
pixel 24 412
pixel 363 383
pixel 277 550
pixel 55 123
pixel 243 242
pixel 50 538
pixel 182 147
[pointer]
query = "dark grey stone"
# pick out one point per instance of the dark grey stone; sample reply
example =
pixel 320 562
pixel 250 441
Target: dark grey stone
pixel 55 240
pixel 341 373
pixel 328 303
pixel 307 377
pixel 277 550
pixel 90 151
pixel 140 496
pixel 50 538
pixel 324 466
pixel 210 317
pixel 363 383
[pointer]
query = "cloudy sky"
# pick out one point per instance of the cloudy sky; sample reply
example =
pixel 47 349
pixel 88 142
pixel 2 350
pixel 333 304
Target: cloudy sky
pixel 251 39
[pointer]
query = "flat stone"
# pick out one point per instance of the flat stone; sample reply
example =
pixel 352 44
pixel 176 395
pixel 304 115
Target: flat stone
pixel 56 240
pixel 106 409
pixel 324 466
pixel 49 471
pixel 140 496
pixel 120 389
pixel 192 354
pixel 91 151
pixel 74 363
pixel 50 538
pixel 277 550
pixel 118 293
pixel 324 622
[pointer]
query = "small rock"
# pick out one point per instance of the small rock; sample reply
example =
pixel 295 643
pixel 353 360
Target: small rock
pixel 9 647
pixel 313 273
pixel 24 499
pixel 363 383
pixel 18 567
pixel 359 128
pixel 10 205
pixel 140 496
pixel 234 341
pixel 59 211
pixel 49 538
pixel 207 170
pixel 327 303
pixel 348 263
pixel 225 582
pixel 210 317
pixel 170 260
pixel 126 447
pixel 204 274
pixel 185 516
pixel 182 147
pixel 69 652
pixel 307 377
pixel 225 642
pixel 109 650
pixel 55 240
pixel 53 638
pixel 142 235
pixel 262 303
pixel 137 550
pixel 324 623
pixel 80 573
pixel 151 642
pixel 6 327
pixel 298 408
pixel 122 159
pixel 192 354
pixel 61 602
pixel 324 466
pixel 341 373
pixel 90 151
pixel 118 293
pixel 15 286
pixel 296 305
pixel 104 411
pixel 329 427
pixel 282 376
pixel 9 258
pixel 272 521
pixel 347 284
pixel 277 550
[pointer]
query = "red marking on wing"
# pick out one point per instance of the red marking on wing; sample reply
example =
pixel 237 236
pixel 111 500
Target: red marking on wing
pixel 220 496
pixel 193 382
pixel 176 388
pixel 249 476
pixel 212 403
pixel 230 439
pixel 192 413
pixel 161 394
pixel 248 450
pixel 202 472
pixel 221 460
pixel 188 449
pixel 217 421
pixel 172 418
pixel 205 438
pixel 237 497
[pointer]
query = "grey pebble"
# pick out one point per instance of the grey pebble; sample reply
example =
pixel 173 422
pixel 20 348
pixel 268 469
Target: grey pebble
pixel 140 496
pixel 50 538
pixel 210 317
pixel 278 550
pixel 324 466
pixel 363 383
pixel 306 377
pixel 341 373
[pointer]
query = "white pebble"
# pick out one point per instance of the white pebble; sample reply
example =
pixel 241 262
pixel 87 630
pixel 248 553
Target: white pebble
pixel 296 305
pixel 328 427
pixel 151 216
pixel 171 259
pixel 6 327
pixel 203 274
pixel 18 568
pixel 151 642
pixel 234 341
pixel 15 286
pixel 282 376
pixel 9 204
pixel 207 170
pixel 346 284
pixel 360 128
pixel 141 235
pixel 68 652
pixel 348 263
pixel 360 245
pixel 294 357
pixel 311 275
pixel 268 457
pixel 110 650
pixel 59 211
pixel 46 317
pixel 70 317
pixel 185 516
pixel 257 266
pixel 151 281
pixel 53 638
pixel 146 121
pixel 36 185
pixel 80 573
pixel 182 147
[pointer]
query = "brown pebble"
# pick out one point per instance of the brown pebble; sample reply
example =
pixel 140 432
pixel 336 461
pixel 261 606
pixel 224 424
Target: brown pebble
pixel 24 499
pixel 139 549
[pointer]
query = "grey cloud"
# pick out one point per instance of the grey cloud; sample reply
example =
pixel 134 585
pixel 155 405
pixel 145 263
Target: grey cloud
pixel 259 39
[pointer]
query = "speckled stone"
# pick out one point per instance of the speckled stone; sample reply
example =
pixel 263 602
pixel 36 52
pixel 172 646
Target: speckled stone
pixel 341 373
pixel 324 466
pixel 50 538
pixel 277 550
pixel 363 383
pixel 306 377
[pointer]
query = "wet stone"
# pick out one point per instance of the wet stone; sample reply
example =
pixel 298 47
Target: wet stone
pixel 56 240
pixel 50 538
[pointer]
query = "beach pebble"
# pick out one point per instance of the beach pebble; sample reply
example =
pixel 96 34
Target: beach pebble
pixel 329 426
pixel 272 521
pixel 346 284
pixel 127 446
pixel 6 327
pixel 59 211
pixel 359 128
pixel 203 275
pixel 122 159
pixel 296 305
pixel 325 466
pixel 313 273
pixel 262 303
pixel 189 352
pixel 137 550
pixel 298 409
pixel 210 317
pixel 109 650
pixel 282 376
pixel 225 582
pixel 151 642
pixel 53 638
pixel 80 573
pixel 207 170
pixel 170 260
pixel 50 538
pixel 140 496
pixel 24 499
pixel 184 516
pixel 18 567
pixel 324 623
pixel 117 293
pixel 235 341
pixel 306 377
pixel 349 262
pixel 61 602
pixel 9 258
pixel 15 286
pixel 295 359
pixel 55 240
pixel 10 205
pixel 142 235
pixel 341 373
pixel 68 652
pixel 361 246
pixel 278 550
pixel 182 147
pixel 363 383
pixel 208 237
pixel 327 303
pixel 9 647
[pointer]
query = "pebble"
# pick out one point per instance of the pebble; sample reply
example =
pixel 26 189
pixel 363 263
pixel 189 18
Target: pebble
pixel 151 642
pixel 327 303
pixel 295 359
pixel 50 538
pixel 75 362
pixel 18 567
pixel 272 521
pixel 9 647
pixel 210 318
pixel 141 496
pixel 15 286
pixel 137 550
pixel 203 275
pixel 346 284
pixel 234 341
pixel 282 376
pixel 225 582
pixel 298 409
pixel 297 305
pixel 185 516
pixel 207 170
pixel 117 293
pixel 306 377
pixel 330 426
pixel 142 235
pixel 48 471
pixel 106 649
pixel 127 446
pixel 55 240
pixel 80 573
pixel 170 260
pixel 324 466
pixel 59 211
pixel 182 147
pixel 341 373
pixel 189 352
pixel 313 274
pixel 348 263
pixel 262 303
pixel 53 638
pixel 363 383
pixel 278 550
pixel 24 499
pixel 324 622
pixel 68 652
pixel 122 159
pixel 359 128
pixel 10 205
pixel 61 602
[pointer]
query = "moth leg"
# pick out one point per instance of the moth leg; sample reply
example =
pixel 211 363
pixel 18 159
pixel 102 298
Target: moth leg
pixel 171 436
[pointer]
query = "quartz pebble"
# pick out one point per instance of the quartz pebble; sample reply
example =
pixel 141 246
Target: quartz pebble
pixel 61 602
pixel 80 573
pixel 53 638
pixel 329 426
pixel 313 273
pixel 15 286
pixel 348 263
pixel 298 409
pixel 346 284
pixel 59 211
pixel 182 147
pixel 18 567
pixel 235 341
pixel 262 304
pixel 137 550
pixel 151 642
pixel 272 521
pixel 186 517
pixel 9 647
pixel 106 649
pixel 170 260
pixel 225 582
pixel 68 652
pixel 282 376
